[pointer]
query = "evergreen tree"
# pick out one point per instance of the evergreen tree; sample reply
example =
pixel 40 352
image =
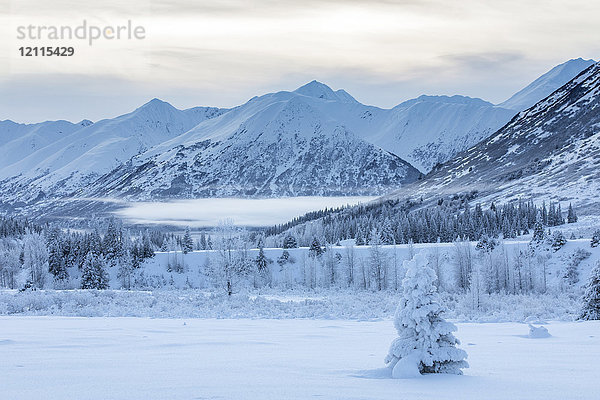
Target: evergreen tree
pixel 486 244
pixel 285 258
pixel 359 240
pixel 94 275
pixel 425 342
pixel 146 249
pixel 315 249
pixel 557 240
pixel 591 298
pixel 262 262
pixel 203 244
pixel 571 215
pixel 538 231
pixel 187 244
pixel 56 261
pixel 386 234
pixel 113 243
pixel 595 238
pixel 289 242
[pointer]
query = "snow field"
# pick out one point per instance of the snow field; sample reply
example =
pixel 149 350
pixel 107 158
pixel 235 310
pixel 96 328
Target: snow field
pixel 141 358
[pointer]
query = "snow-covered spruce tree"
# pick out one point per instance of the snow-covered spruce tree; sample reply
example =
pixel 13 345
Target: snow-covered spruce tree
pixel 203 244
pixel 315 249
pixel 538 230
pixel 595 238
pixel 94 275
pixel 557 240
pixel 262 267
pixel 187 243
pixel 591 298
pixel 56 259
pixel 112 244
pixel 571 215
pixel 425 343
pixel 289 242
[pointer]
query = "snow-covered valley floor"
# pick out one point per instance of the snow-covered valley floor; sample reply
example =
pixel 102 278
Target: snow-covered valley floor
pixel 143 358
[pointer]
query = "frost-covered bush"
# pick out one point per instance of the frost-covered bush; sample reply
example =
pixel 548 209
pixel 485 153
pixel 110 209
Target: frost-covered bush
pixel 591 298
pixel 425 341
pixel 497 307
pixel 273 303
pixel 571 275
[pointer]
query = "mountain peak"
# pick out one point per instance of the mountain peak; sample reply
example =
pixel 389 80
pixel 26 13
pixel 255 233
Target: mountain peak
pixel 316 89
pixel 156 103
pixel 85 122
pixel 320 90
pixel 546 84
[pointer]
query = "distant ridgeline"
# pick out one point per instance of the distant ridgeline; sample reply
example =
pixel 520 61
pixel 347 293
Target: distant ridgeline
pixel 396 222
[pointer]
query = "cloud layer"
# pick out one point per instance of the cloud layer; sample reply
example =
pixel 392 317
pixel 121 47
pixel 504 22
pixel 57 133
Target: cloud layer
pixel 222 53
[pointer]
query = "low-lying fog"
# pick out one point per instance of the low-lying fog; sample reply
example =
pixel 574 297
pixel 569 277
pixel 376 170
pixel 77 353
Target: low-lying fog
pixel 245 212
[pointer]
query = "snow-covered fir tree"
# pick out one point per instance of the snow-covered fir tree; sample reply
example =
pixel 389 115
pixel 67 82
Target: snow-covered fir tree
pixel 571 215
pixel 539 235
pixel 187 243
pixel 595 238
pixel 203 244
pixel 56 257
pixel 94 275
pixel 557 240
pixel 425 342
pixel 284 258
pixel 315 249
pixel 262 262
pixel 289 242
pixel 591 298
pixel 112 244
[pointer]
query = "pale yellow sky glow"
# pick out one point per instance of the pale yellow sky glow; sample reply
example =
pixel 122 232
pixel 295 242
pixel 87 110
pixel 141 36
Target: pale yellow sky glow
pixel 223 53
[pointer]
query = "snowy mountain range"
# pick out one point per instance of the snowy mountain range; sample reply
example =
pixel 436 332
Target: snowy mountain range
pixel 311 141
pixel 549 152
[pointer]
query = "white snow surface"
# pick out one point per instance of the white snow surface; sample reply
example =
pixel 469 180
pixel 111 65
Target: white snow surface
pixel 140 358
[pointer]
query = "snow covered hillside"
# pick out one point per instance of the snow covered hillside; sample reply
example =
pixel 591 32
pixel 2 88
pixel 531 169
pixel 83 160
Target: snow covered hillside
pixel 548 152
pixel 281 144
pixel 543 86
pixel 77 155
pixel 18 141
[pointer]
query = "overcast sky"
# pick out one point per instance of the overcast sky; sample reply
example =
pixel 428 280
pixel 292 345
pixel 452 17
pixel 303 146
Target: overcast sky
pixel 222 53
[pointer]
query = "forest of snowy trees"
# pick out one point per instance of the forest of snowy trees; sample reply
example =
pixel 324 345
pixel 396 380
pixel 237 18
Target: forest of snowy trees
pixel 110 256
pixel 398 223
pixel 44 256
